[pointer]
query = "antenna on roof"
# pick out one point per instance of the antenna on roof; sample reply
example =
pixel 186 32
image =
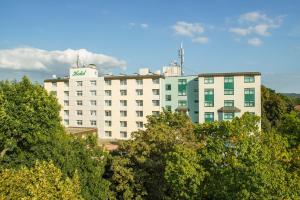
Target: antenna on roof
pixel 181 57
pixel 77 61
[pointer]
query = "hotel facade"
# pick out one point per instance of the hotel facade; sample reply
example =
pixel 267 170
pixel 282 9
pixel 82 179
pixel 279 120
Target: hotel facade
pixel 117 105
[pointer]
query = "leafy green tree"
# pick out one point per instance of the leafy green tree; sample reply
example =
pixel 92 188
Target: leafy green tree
pixel 43 181
pixel 290 128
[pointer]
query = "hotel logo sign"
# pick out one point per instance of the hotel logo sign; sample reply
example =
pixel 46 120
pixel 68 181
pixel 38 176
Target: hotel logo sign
pixel 79 73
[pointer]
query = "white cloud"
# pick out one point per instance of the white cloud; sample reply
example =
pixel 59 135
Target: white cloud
pixel 255 42
pixel 144 25
pixel 136 25
pixel 187 29
pixel 201 40
pixel 253 16
pixel 240 31
pixel 33 59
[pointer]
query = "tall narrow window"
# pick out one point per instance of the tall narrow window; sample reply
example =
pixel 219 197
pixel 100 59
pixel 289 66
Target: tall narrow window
pixel 249 97
pixel 182 87
pixel 228 85
pixel 209 116
pixel 209 97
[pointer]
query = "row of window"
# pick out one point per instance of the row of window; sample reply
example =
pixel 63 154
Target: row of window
pixel 123 113
pixel 80 103
pixel 209 116
pixel 123 134
pixel 247 79
pixel 138 81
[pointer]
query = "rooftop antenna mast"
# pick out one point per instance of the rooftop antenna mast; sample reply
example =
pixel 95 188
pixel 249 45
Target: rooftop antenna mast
pixel 77 61
pixel 181 57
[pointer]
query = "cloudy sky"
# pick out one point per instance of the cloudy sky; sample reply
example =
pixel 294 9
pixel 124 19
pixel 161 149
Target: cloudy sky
pixel 42 38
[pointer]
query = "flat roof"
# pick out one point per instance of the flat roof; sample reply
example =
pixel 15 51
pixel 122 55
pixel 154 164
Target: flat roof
pixel 230 74
pixel 133 76
pixel 57 80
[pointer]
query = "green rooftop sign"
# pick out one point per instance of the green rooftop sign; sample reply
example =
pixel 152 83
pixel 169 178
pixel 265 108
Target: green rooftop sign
pixel 79 73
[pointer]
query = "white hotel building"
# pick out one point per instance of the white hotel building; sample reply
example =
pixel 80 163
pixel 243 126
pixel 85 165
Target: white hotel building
pixel 118 105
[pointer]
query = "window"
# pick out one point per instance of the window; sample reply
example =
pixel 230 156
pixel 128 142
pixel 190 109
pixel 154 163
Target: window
pixel 169 108
pixel 209 97
pixel 123 82
pixel 66 93
pixel 107 82
pixel 155 113
pixel 155 91
pixel 249 97
pixel 79 83
pixel 208 80
pixel 79 112
pixel 168 97
pixel 123 134
pixel 249 79
pixel 196 112
pixel 79 93
pixel 228 85
pixel 93 122
pixel 155 102
pixel 140 124
pixel 66 112
pixel 53 93
pixel 93 82
pixel 139 92
pixel 182 87
pixel 209 116
pixel 123 102
pixel 66 103
pixel 107 102
pixel 54 84
pixel 139 113
pixel 196 101
pixel 228 103
pixel 123 123
pixel 107 133
pixel 139 81
pixel 93 92
pixel 93 102
pixel 155 81
pixel 123 92
pixel 107 92
pixel 229 115
pixel 139 102
pixel 66 121
pixel 182 103
pixel 66 84
pixel 123 113
pixel 79 103
pixel 93 112
pixel 108 123
pixel 79 122
pixel 168 87
pixel 108 113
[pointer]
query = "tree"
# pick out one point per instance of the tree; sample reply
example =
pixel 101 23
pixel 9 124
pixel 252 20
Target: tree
pixel 43 181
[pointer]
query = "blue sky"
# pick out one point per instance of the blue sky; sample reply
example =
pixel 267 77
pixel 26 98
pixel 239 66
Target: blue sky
pixel 41 38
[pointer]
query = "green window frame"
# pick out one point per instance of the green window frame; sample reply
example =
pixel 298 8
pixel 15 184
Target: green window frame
pixel 168 87
pixel 228 116
pixel 208 97
pixel 208 80
pixel 228 85
pixel 249 97
pixel 208 116
pixel 169 108
pixel 168 97
pixel 182 87
pixel 182 103
pixel 249 79
pixel 228 103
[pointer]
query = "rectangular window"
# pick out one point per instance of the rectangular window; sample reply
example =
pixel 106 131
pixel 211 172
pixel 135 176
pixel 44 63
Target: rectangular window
pixel 93 82
pixel 123 92
pixel 155 81
pixel 79 83
pixel 54 84
pixel 155 113
pixel 123 82
pixel 249 79
pixel 139 102
pixel 139 92
pixel 182 103
pixel 108 123
pixel 79 122
pixel 168 97
pixel 140 124
pixel 79 93
pixel 53 93
pixel 66 84
pixel 209 116
pixel 228 103
pixel 123 134
pixel 93 92
pixel 155 91
pixel 79 112
pixel 66 112
pixel 123 123
pixel 66 93
pixel 123 113
pixel 107 133
pixel 228 85
pixel 208 80
pixel 155 102
pixel 93 122
pixel 93 102
pixel 107 92
pixel 139 81
pixel 249 97
pixel 168 87
pixel 79 102
pixel 66 121
pixel 93 112
pixel 123 103
pixel 169 108
pixel 182 87
pixel 208 97
pixel 66 103
pixel 108 113
pixel 228 116
pixel 107 82
pixel 139 113
pixel 107 102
